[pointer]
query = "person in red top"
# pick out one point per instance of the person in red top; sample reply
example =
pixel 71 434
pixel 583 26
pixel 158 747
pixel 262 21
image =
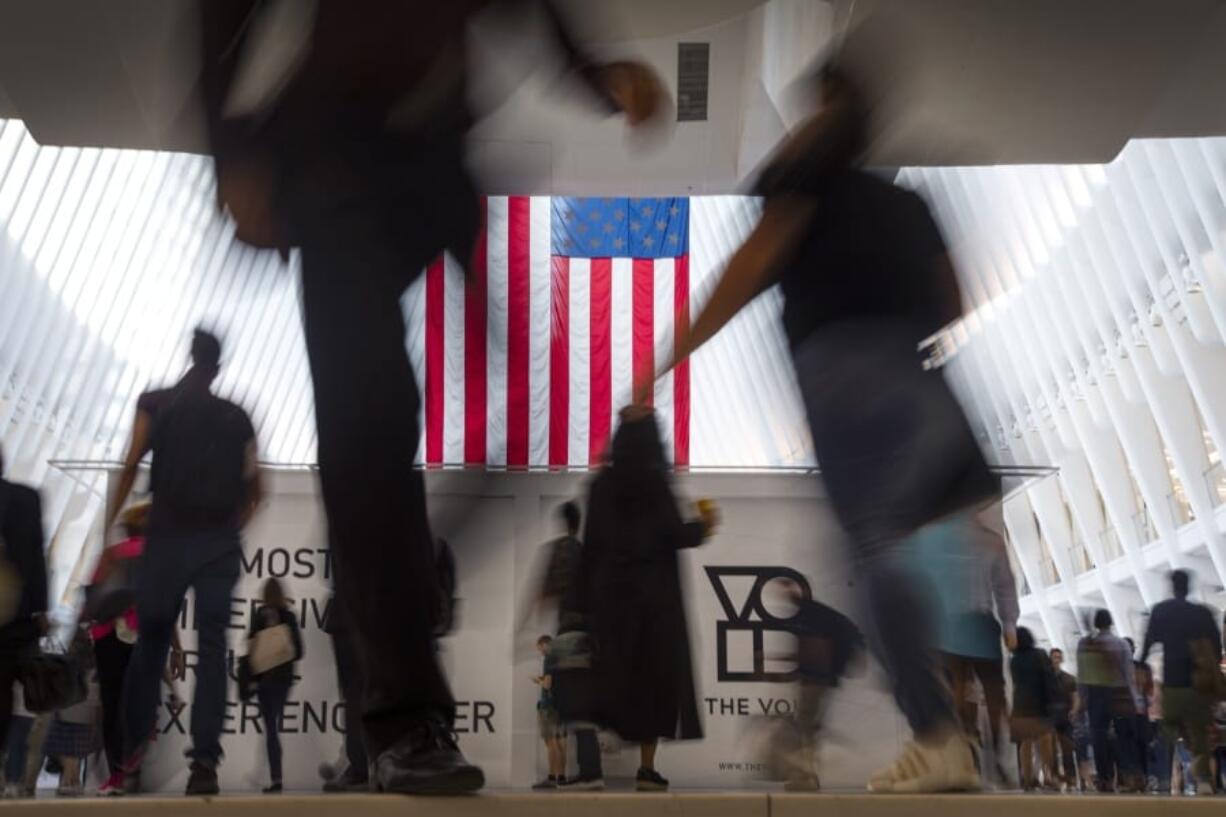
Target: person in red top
pixel 113 643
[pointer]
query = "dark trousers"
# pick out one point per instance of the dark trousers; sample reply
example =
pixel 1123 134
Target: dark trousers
pixel 9 654
pixel 208 563
pixel 366 413
pixel 894 457
pixel 112 657
pixel 349 678
pixel 1103 708
pixel 18 738
pixel 1140 739
pixel 587 749
pixel 272 698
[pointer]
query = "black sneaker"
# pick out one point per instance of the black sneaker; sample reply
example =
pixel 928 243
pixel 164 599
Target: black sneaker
pixel 427 761
pixel 582 784
pixel 203 780
pixel 348 781
pixel 274 788
pixel 650 780
pixel 545 784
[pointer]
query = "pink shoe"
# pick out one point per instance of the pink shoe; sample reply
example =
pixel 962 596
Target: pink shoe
pixel 113 786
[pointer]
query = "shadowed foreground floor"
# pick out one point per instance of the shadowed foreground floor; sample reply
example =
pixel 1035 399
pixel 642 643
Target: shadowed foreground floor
pixel 679 804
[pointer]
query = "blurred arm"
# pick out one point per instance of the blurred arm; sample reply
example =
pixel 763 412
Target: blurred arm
pixel 255 486
pixel 296 633
pixel 36 581
pixel 1152 633
pixel 1215 636
pixel 750 271
pixel 1004 586
pixel 1130 674
pixel 138 446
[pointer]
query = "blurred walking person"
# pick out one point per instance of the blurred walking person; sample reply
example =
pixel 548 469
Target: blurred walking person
pixel 1106 686
pixel 206 487
pixel 1191 651
pixel 644 669
pixel 827 644
pixel 339 128
pixel 275 634
pixel 23 586
pixel 1035 699
pixel 572 682
pixel 865 279
pixel 967 563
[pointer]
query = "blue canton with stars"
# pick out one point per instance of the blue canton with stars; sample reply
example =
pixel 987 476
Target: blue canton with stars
pixel 620 227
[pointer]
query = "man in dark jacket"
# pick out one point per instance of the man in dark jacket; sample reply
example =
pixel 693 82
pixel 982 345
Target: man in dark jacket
pixel 1182 627
pixel 21 546
pixel 354 152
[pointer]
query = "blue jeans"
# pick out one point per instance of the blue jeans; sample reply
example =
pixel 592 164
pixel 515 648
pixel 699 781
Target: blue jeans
pixel 1106 713
pixel 895 453
pixel 208 562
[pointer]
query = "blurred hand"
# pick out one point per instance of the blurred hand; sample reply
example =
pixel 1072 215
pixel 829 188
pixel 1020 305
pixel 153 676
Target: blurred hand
pixel 178 664
pixel 245 189
pixel 635 411
pixel 1011 638
pixel 635 88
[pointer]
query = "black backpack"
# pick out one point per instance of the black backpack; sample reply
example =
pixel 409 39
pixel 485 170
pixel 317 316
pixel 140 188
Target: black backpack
pixel 199 458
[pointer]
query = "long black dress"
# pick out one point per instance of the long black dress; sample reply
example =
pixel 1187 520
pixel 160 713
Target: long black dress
pixel 645 682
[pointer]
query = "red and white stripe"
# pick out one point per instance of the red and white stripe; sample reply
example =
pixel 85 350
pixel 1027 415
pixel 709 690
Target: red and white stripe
pixel 528 361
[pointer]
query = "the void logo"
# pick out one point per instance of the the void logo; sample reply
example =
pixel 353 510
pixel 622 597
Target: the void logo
pixel 749 616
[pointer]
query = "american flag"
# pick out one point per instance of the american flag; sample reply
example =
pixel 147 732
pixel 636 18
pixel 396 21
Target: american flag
pixel 528 361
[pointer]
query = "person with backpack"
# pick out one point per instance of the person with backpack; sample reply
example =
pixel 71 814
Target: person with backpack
pixel 205 486
pixel 278 624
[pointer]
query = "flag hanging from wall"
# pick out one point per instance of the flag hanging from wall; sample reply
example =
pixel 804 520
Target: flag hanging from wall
pixel 528 361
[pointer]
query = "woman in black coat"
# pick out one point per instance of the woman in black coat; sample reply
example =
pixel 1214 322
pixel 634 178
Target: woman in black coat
pixel 633 533
pixel 273 685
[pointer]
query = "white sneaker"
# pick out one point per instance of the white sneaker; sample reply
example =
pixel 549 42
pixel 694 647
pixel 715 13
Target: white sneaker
pixel 943 766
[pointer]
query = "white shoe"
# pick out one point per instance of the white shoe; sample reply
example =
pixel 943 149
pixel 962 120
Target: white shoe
pixel 944 766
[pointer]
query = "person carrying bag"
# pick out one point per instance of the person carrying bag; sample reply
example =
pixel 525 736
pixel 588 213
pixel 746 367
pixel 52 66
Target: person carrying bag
pixel 274 645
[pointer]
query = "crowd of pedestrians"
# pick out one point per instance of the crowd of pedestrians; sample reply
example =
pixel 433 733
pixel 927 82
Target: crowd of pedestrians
pixel 352 151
